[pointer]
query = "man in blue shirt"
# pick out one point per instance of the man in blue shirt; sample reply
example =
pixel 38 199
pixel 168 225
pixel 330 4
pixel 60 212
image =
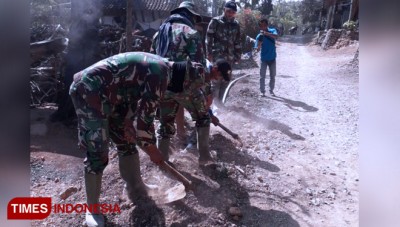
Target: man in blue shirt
pixel 266 42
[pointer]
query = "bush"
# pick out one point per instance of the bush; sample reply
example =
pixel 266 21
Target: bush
pixel 350 25
pixel 248 20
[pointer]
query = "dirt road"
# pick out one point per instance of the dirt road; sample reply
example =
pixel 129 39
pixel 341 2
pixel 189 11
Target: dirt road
pixel 299 165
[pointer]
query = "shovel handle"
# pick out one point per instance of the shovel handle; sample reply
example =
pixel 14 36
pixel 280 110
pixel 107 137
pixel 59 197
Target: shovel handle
pixel 186 182
pixel 234 135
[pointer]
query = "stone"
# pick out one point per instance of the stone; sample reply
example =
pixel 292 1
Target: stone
pixel 309 191
pixel 67 193
pixel 235 211
pixel 316 201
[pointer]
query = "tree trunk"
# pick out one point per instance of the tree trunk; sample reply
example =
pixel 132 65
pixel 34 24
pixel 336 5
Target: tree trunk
pixel 129 9
pixel 353 9
pixel 331 14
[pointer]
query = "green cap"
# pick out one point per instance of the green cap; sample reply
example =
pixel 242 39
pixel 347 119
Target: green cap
pixel 188 5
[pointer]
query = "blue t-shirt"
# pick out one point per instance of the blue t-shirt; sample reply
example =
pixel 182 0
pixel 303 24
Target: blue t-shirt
pixel 268 50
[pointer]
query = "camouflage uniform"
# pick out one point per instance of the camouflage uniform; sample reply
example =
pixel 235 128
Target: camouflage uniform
pixel 192 98
pixel 184 42
pixel 223 41
pixel 124 86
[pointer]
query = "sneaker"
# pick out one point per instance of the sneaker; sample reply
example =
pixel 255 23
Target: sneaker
pixel 262 94
pixel 271 92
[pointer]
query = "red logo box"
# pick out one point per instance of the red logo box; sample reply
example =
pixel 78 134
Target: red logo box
pixel 28 208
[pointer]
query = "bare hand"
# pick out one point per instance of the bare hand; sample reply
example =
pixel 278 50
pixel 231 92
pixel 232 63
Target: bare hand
pixel 215 120
pixel 154 154
pixel 210 58
pixel 129 132
pixel 209 100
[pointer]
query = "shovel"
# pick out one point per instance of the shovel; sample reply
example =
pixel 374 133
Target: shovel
pixel 162 193
pixel 234 135
pixel 167 167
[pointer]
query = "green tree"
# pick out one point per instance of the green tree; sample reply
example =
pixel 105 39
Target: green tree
pixel 309 10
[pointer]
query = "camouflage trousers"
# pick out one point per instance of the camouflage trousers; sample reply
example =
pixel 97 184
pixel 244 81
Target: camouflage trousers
pixel 97 123
pixel 193 101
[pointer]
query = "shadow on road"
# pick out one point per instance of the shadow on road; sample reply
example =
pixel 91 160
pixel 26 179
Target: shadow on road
pixel 232 194
pixel 269 124
pixel 227 152
pixel 292 104
pixel 147 213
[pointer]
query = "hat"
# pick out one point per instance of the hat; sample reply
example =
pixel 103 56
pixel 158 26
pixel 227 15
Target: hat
pixel 188 5
pixel 231 5
pixel 224 68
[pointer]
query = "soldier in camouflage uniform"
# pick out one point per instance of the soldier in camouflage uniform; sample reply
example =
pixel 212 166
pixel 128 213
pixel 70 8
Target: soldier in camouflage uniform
pixel 116 98
pixel 190 87
pixel 177 39
pixel 223 41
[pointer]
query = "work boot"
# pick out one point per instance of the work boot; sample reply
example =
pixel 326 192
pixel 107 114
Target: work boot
pixel 93 188
pixel 163 146
pixel 129 167
pixel 203 134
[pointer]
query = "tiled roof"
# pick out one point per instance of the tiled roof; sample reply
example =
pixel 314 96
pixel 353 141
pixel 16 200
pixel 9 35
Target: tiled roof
pixel 156 5
pixel 162 5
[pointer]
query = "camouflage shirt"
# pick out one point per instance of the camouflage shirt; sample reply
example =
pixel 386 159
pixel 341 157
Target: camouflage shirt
pixel 130 83
pixel 223 39
pixel 185 42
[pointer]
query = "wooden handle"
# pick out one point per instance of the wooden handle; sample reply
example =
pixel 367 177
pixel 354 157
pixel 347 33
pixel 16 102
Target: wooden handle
pixel 186 182
pixel 234 135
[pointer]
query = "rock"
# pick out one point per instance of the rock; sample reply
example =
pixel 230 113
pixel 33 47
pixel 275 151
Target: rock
pixel 114 155
pixel 57 180
pixel 126 206
pixel 316 201
pixel 260 179
pixel 331 195
pixel 309 191
pixel 235 211
pixel 236 218
pixel 67 193
pixel 42 158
